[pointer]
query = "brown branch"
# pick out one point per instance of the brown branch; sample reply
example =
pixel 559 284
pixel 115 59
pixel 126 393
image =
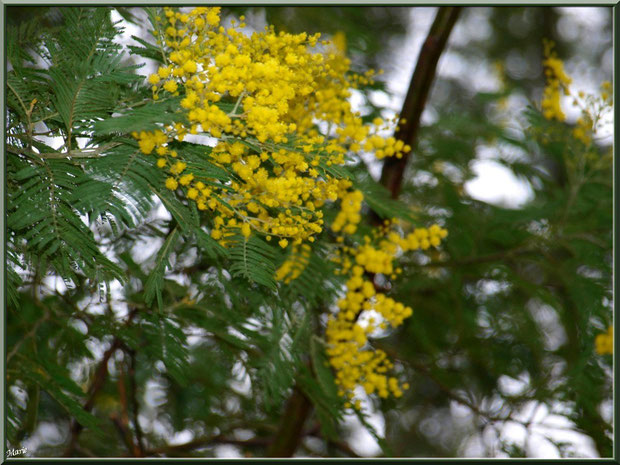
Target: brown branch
pixel 343 447
pixel 289 434
pixel 122 394
pixel 123 432
pixel 340 445
pixel 124 416
pixel 101 374
pixel 415 101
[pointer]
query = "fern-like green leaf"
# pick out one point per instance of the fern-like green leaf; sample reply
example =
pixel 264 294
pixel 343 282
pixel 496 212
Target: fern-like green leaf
pixel 147 117
pixel 380 201
pixel 154 283
pixel 253 259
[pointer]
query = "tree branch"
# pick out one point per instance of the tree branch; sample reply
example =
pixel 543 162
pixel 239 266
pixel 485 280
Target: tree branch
pixel 101 374
pixel 415 101
pixel 289 434
pixel 124 433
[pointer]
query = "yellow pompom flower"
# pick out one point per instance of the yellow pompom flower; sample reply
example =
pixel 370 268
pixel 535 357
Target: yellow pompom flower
pixel 557 84
pixel 186 179
pixel 171 86
pixel 246 230
pixel 604 342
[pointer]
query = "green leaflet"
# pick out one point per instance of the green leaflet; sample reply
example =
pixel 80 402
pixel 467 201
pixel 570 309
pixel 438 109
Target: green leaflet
pixel 320 366
pixel 169 344
pixel 253 259
pixel 380 200
pixel 147 117
pixel 154 283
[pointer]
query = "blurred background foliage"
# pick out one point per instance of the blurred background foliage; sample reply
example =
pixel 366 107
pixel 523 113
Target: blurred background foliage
pixel 500 349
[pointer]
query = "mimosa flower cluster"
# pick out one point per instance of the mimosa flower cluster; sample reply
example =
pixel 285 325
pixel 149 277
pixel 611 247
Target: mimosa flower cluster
pixel 276 108
pixel 558 83
pixel 349 215
pixel 604 342
pixel 264 97
pixel 593 108
pixel 295 264
pixel 363 311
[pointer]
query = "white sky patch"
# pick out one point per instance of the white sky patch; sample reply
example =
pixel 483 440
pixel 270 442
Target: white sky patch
pixel 513 387
pixel 201 140
pixel 373 164
pixel 55 283
pixel 139 30
pixel 549 324
pixel 181 437
pixel 474 447
pixel 592 18
pixel 360 440
pixel 53 142
pixel 129 29
pixel 46 433
pixel 496 184
pixel 399 76
pixel 240 382
pixel 227 451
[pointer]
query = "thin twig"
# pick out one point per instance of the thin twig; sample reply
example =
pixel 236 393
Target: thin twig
pixel 27 336
pixel 206 442
pixel 446 389
pixel 124 417
pixel 134 400
pixel 85 153
pixel 480 259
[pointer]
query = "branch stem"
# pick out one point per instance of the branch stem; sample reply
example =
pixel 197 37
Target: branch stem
pixel 419 88
pixel 289 435
pixel 101 374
